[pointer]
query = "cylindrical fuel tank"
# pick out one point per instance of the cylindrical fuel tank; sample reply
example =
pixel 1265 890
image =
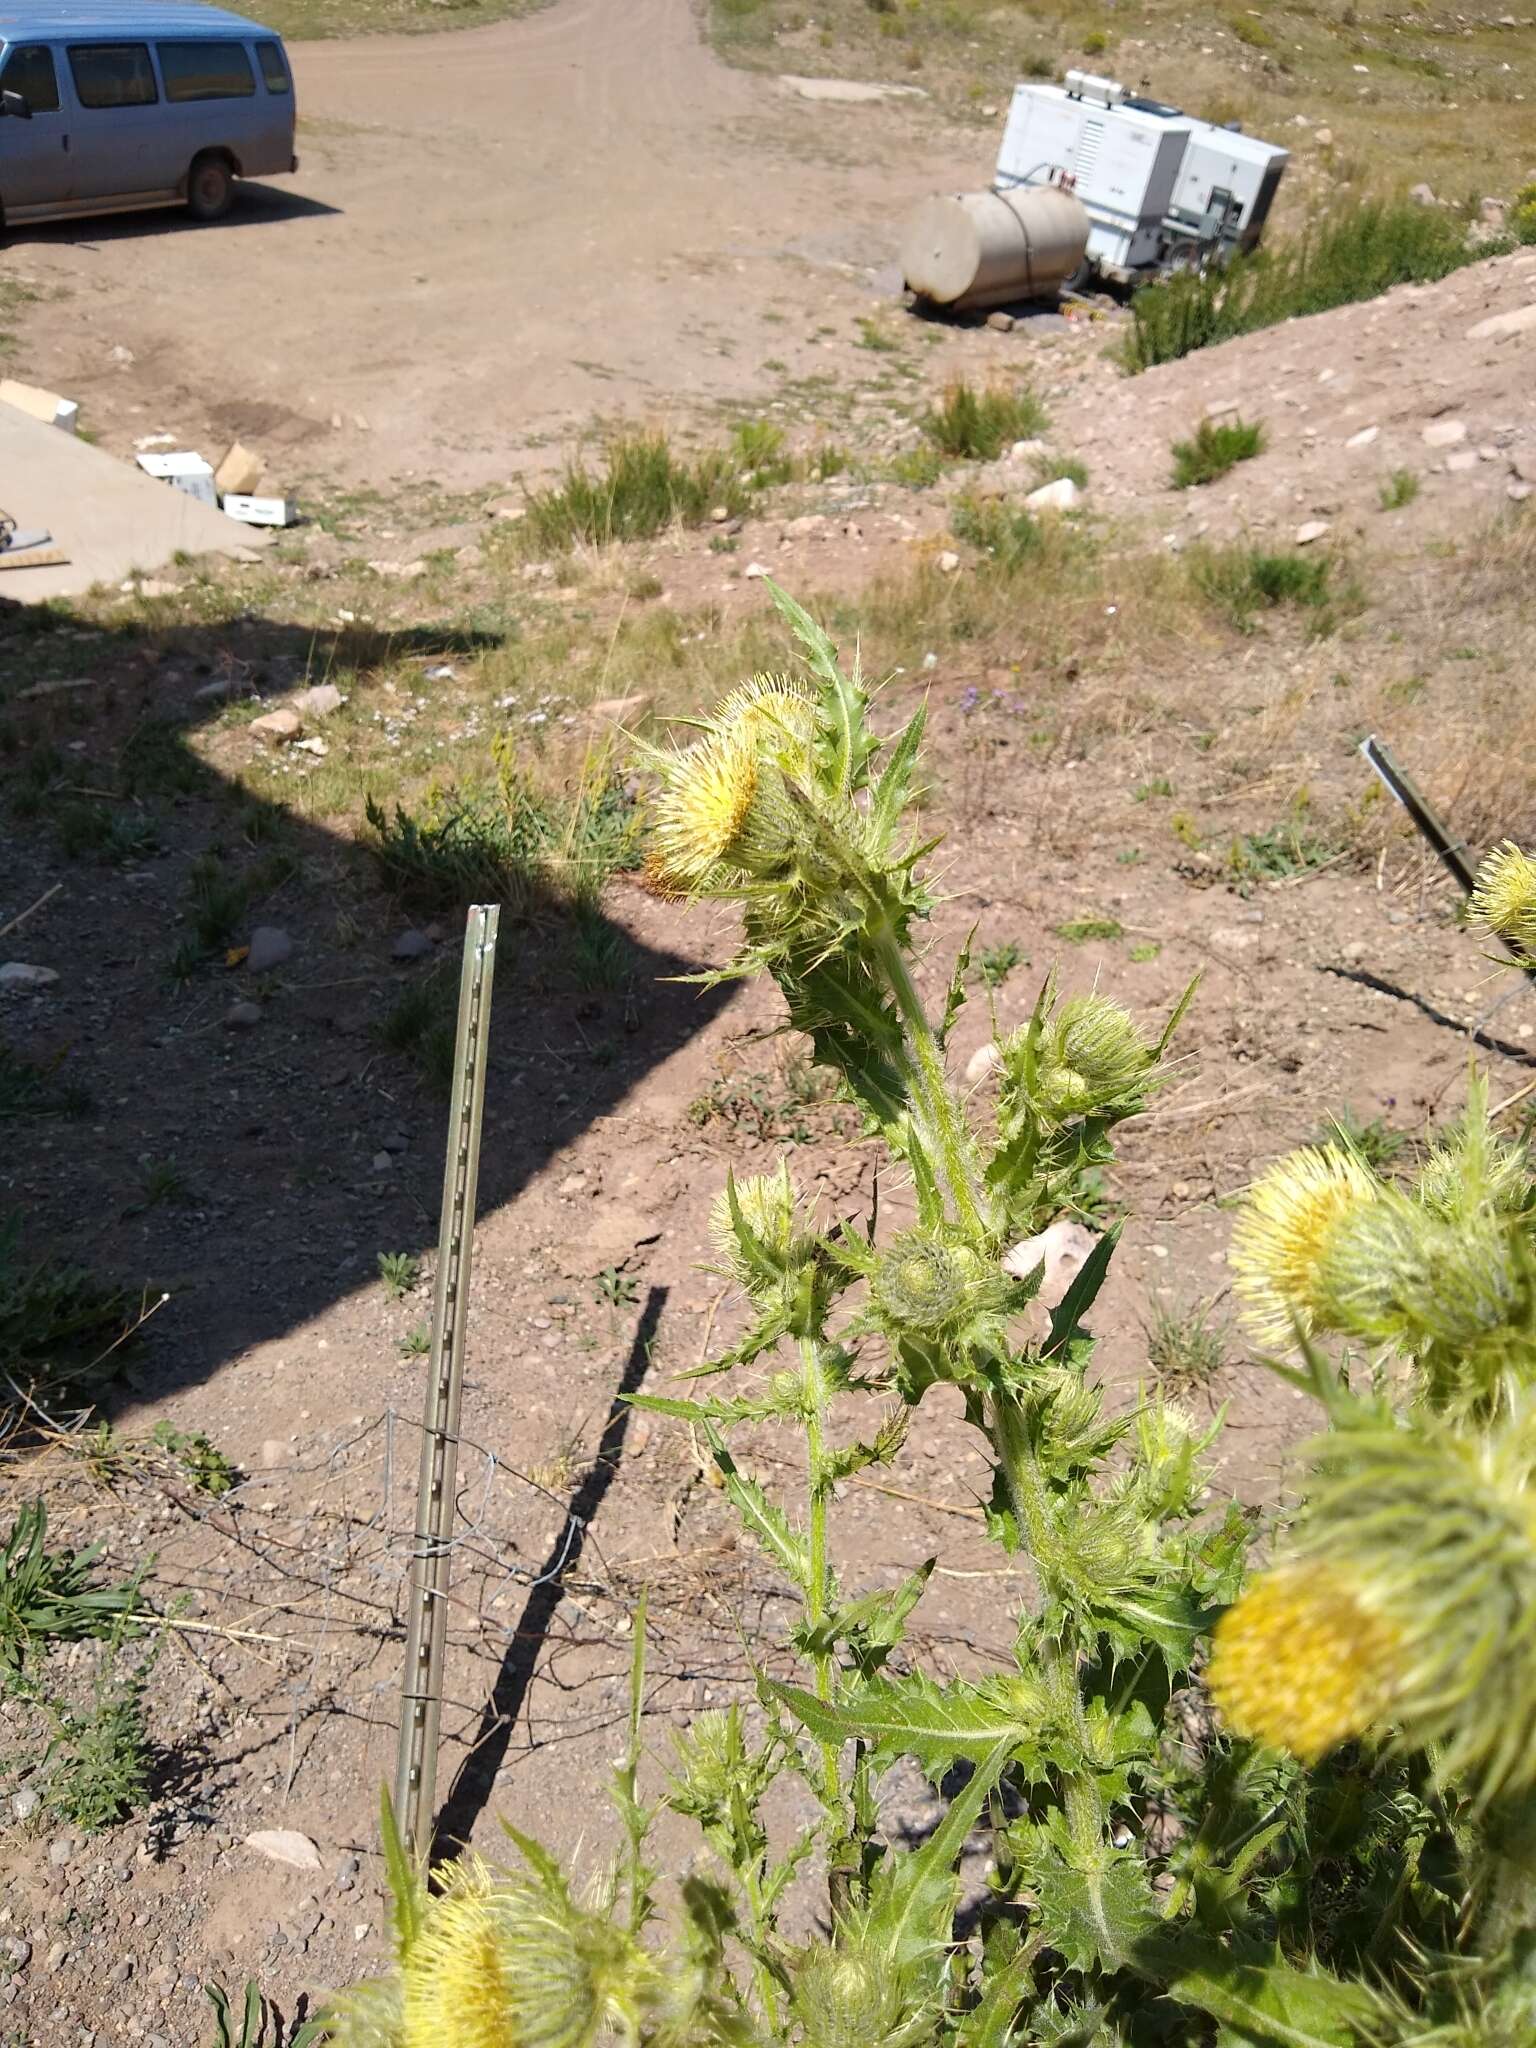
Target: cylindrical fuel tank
pixel 984 248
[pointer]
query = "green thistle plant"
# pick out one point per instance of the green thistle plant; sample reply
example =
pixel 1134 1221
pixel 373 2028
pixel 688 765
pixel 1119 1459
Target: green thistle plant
pixel 1347 1859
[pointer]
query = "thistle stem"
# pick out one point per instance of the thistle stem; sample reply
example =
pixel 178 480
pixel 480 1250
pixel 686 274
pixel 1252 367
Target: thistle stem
pixel 816 1585
pixel 938 1114
pixel 1021 1476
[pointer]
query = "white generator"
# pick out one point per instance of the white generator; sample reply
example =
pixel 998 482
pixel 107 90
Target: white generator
pixel 1163 189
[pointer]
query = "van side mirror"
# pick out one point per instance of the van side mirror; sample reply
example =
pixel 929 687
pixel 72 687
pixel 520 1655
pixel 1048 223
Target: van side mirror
pixel 15 105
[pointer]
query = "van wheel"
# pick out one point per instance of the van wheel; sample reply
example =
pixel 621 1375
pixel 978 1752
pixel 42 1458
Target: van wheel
pixel 210 187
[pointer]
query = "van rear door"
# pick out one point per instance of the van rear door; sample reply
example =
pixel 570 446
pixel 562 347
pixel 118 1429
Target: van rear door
pixel 35 163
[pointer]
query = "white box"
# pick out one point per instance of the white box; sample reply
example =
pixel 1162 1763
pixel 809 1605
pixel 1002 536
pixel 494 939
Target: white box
pixel 184 471
pixel 261 511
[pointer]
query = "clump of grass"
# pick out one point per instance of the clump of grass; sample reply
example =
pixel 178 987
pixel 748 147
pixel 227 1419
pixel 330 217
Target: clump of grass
pixel 399 1271
pixel 917 468
pixel 1250 32
pixel 1242 581
pixel 1007 534
pixel 1356 252
pixel 1400 489
pixel 641 488
pixel 55 1318
pixel 216 900
pixel 511 842
pixel 1050 469
pixel 1186 1347
pixel 100 1755
pixel 976 426
pixel 1522 215
pixel 1082 931
pixel 1096 42
pixel 31 1088
pixel 1375 1142
pixel 52 1596
pixel 1278 854
pixel 1217 446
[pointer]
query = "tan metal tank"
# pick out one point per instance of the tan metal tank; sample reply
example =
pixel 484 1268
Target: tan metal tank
pixel 986 248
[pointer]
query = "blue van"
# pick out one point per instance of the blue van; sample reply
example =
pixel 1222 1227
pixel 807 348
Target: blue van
pixel 122 103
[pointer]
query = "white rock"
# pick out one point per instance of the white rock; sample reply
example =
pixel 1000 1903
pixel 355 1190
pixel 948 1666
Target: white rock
pixel 242 1016
pixel 410 945
pixel 1324 138
pixel 1500 326
pixel 1061 1248
pixel 285 1845
pixel 753 570
pixel 319 701
pixel 26 1802
pixel 1444 433
pixel 315 746
pixel 1363 439
pixel 1462 460
pixel 1026 451
pixel 1058 496
pixel 19 974
pixel 1519 491
pixel 270 946
pixel 948 562
pixel 1314 529
pixel 276 728
pixel 983 1061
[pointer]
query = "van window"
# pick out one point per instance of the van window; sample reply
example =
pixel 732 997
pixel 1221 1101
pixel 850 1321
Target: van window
pixel 113 74
pixel 274 66
pixel 206 71
pixel 29 71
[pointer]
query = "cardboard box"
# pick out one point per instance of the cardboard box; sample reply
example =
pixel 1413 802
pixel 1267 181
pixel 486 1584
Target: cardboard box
pixel 239 472
pixel 261 511
pixel 185 471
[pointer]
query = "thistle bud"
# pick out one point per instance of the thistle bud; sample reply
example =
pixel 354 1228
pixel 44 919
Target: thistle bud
pixel 1284 1231
pixel 1089 1059
pixel 1504 900
pixel 1300 1663
pixel 847 1998
pixel 925 1286
pixel 767 1210
pixel 1389 1272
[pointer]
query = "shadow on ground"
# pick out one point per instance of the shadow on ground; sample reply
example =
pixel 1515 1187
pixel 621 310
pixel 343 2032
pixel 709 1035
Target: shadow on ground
pixel 255 1173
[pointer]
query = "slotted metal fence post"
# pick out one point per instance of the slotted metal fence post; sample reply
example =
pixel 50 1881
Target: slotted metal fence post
pixel 421 1689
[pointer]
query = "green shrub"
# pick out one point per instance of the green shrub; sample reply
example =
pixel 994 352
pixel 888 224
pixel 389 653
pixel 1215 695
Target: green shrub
pixel 1217 447
pixel 976 426
pixel 51 1596
pixel 1242 581
pixel 1356 252
pixel 1522 218
pixel 1400 489
pixel 641 488
pixel 1007 534
pixel 1251 32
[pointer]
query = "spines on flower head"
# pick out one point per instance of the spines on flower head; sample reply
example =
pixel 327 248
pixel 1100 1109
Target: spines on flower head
pixel 707 793
pixel 757 1227
pixel 1284 1231
pixel 1504 899
pixel 1301 1663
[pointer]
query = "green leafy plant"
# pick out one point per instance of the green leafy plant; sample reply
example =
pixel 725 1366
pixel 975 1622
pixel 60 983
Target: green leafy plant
pixel 399 1271
pixel 1082 931
pixel 1522 215
pixel 1217 446
pixel 976 426
pixel 1242 581
pixel 98 1763
pixel 1296 1814
pixel 1186 1347
pixel 995 963
pixel 259 2023
pixel 203 1466
pixel 618 1289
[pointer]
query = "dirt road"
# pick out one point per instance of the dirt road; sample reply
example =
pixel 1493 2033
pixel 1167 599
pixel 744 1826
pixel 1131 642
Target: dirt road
pixel 494 236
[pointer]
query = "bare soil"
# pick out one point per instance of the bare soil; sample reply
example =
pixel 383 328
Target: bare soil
pixel 303 1147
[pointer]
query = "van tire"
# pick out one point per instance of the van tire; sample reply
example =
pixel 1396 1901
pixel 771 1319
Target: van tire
pixel 210 186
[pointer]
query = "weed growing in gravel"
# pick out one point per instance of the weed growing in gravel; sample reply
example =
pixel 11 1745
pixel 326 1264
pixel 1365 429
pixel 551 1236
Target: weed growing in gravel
pixel 1400 489
pixel 1007 534
pixel 976 426
pixel 1356 252
pixel 615 1287
pixel 1522 218
pixel 399 1271
pixel 1217 446
pixel 98 1761
pixel 1279 854
pixel 1375 1142
pixel 1186 1347
pixel 199 1463
pixel 416 1342
pixel 51 1596
pixel 1082 931
pixel 995 963
pixel 642 488
pixel 259 2024
pixel 1242 581
pixel 32 1088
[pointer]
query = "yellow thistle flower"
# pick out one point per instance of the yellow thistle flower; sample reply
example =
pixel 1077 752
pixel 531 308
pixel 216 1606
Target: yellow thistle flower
pixel 768 708
pixel 1504 900
pixel 706 797
pixel 457 1980
pixel 1300 1664
pixel 1284 1231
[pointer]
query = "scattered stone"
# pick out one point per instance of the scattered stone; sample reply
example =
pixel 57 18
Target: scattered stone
pixel 121 1972
pixel 985 1060
pixel 719 514
pixel 948 562
pixel 318 747
pixel 277 728
pixel 270 946
pixel 319 701
pixel 1500 326
pixel 17 1950
pixel 21 974
pixel 382 1163
pixel 1313 529
pixel 347 1872
pixel 1523 464
pixel 1061 1248
pixel 1234 938
pixel 25 1802
pixel 1444 433
pixel 1363 439
pixel 1324 138
pixel 395 1142
pixel 1058 496
pixel 242 1016
pixel 754 570
pixel 56 1958
pixel 60 1849
pixel 285 1845
pixel 1000 323
pixel 619 710
pixel 1462 460
pixel 1421 195
pixel 60 686
pixel 410 946
pixel 1026 451
pixel 1518 492
pixel 1491 212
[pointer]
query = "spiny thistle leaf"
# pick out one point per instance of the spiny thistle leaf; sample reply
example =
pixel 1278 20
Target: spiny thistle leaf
pixel 936 1725
pixel 767 1523
pixel 1272 2004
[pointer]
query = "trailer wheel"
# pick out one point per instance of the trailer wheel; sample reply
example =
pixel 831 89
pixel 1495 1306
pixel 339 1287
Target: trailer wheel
pixel 1081 278
pixel 210 186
